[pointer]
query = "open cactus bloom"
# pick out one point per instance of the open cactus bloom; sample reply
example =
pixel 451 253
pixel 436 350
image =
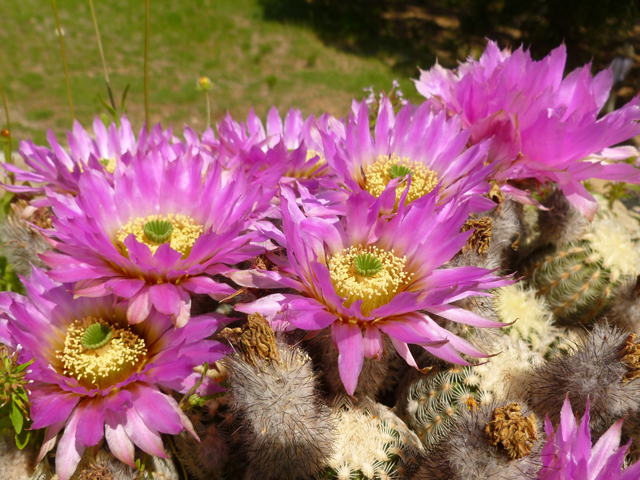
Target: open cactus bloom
pixel 98 377
pixel 364 276
pixel 157 234
pixel 543 126
pixel 59 170
pixel 423 151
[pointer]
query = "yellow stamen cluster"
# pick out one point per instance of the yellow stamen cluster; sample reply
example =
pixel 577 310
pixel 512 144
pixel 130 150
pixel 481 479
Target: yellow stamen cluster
pixel 375 290
pixel 184 235
pixel 377 176
pixel 114 362
pixel 109 164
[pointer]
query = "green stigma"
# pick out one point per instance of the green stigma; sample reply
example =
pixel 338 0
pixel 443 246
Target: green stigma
pixel 96 336
pixel 399 171
pixel 104 162
pixel 367 265
pixel 158 231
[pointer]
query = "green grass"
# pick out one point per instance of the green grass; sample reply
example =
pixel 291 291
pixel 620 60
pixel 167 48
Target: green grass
pixel 252 63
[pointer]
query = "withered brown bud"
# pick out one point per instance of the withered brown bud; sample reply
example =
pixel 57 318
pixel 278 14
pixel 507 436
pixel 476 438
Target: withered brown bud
pixel 514 432
pixel 631 358
pixel 480 240
pixel 254 340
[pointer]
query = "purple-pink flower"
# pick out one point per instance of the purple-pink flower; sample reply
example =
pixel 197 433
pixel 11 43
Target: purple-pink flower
pixel 542 126
pixel 162 230
pixel 59 169
pixel 568 454
pixel 365 276
pixel 96 376
pixel 421 148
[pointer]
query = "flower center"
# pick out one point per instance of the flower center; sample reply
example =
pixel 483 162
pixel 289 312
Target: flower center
pixel 368 274
pixel 179 230
pixel 109 164
pixel 100 355
pixel 386 168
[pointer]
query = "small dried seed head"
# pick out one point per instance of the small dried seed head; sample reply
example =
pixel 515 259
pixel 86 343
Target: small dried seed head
pixel 480 239
pixel 631 358
pixel 516 434
pixel 255 340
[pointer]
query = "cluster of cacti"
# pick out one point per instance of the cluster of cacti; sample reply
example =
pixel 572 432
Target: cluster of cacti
pixel 498 440
pixel 579 276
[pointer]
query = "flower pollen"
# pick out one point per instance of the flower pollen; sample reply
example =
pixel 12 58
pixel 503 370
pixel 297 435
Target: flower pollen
pixel 154 230
pixel 103 363
pixel 109 164
pixel 369 274
pixel 386 168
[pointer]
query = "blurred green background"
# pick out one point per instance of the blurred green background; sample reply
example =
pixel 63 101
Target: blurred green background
pixel 311 54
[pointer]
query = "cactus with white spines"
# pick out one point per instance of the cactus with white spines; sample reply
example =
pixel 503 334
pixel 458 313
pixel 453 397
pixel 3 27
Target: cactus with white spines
pixel 432 402
pixel 372 443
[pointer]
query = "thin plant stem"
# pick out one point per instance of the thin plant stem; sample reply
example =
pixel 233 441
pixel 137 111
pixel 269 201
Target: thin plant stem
pixel 6 114
pixel 104 63
pixel 146 65
pixel 64 60
pixel 8 158
pixel 206 93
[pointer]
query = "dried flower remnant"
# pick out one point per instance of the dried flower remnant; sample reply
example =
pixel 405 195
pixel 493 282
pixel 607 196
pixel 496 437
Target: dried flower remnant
pixel 514 432
pixel 631 358
pixel 96 472
pixel 481 238
pixel 255 340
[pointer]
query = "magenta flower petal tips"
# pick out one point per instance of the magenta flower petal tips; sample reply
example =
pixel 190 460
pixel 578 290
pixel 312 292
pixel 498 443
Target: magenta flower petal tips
pixel 543 126
pixel 59 169
pixel 98 377
pixel 568 454
pixel 364 276
pixel 155 235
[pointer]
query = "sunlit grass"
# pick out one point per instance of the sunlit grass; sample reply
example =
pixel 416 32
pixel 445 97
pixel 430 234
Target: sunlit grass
pixel 252 63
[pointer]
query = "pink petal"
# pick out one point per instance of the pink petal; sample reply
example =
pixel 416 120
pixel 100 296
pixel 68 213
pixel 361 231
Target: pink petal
pixel 50 437
pixel 125 287
pixel 580 198
pixel 145 438
pixel 165 298
pixel 373 346
pixel 347 339
pixel 69 450
pixel 309 314
pixel 119 442
pixel 206 285
pixel 606 446
pixel 460 315
pixel 92 429
pixel 139 306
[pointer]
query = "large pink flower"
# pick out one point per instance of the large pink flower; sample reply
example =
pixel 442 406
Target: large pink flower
pixel 162 230
pixel 364 276
pixel 543 126
pixel 59 169
pixel 98 377
pixel 420 148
